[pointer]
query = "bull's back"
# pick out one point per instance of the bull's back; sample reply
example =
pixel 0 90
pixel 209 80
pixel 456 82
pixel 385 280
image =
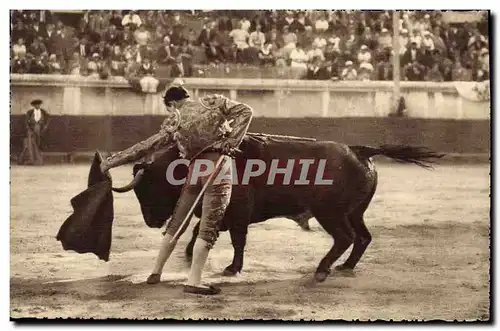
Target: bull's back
pixel 301 159
pixel 280 197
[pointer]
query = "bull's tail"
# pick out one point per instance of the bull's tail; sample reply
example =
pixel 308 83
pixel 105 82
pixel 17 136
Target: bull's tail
pixel 420 156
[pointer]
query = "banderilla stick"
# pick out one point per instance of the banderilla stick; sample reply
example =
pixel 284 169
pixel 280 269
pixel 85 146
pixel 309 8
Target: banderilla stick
pixel 187 219
pixel 277 136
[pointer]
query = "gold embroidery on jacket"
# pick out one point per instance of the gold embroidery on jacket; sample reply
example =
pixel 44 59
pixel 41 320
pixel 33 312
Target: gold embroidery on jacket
pixel 198 129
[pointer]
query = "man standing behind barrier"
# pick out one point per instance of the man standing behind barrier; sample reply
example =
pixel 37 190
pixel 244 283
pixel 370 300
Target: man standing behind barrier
pixel 37 122
pixel 209 130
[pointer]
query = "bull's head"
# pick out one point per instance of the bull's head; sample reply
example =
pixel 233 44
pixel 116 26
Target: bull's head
pixel 156 195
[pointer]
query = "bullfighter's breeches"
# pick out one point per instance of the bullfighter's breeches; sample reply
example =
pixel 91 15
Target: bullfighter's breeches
pixel 215 200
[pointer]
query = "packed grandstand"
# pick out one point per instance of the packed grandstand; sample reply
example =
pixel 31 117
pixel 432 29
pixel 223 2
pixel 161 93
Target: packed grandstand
pixel 323 45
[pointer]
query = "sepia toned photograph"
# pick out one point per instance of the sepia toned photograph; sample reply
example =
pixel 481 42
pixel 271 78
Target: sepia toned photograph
pixel 256 165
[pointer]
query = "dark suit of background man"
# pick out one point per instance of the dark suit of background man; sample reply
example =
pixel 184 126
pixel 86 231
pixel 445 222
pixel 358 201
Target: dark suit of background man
pixel 37 122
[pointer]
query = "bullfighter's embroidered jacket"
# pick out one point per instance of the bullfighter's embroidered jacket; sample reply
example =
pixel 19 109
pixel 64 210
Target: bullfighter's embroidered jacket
pixel 198 126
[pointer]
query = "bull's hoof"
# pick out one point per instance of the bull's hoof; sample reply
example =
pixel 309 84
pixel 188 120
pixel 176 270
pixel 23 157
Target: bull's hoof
pixel 230 272
pixel 153 279
pixel 343 270
pixel 320 276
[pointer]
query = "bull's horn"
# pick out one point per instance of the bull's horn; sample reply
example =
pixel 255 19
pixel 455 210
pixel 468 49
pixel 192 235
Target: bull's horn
pixel 132 184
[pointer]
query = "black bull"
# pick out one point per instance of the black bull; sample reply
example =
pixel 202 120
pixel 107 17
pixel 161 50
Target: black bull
pixel 338 207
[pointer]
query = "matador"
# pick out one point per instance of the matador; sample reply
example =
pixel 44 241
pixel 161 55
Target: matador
pixel 210 128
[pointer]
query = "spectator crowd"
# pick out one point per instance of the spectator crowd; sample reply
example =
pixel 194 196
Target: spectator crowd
pixel 336 45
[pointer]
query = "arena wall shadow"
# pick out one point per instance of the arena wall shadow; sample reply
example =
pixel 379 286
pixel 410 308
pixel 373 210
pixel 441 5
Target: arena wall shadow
pixel 73 134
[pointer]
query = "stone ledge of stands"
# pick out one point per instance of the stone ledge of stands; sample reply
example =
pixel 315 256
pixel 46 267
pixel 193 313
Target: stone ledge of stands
pixel 235 83
pixel 86 157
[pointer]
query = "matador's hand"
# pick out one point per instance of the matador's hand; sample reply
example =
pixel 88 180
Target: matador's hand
pixel 225 129
pixel 227 148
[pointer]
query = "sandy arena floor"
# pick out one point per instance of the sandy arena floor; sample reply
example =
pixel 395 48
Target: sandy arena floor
pixel 429 258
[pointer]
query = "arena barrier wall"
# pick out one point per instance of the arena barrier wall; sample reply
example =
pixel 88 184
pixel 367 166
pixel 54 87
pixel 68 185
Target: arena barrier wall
pixel 89 114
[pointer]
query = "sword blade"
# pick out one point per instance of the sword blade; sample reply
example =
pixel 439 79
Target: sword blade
pixel 277 136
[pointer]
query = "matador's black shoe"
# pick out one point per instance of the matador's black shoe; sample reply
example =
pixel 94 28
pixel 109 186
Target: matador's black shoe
pixel 153 279
pixel 211 290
